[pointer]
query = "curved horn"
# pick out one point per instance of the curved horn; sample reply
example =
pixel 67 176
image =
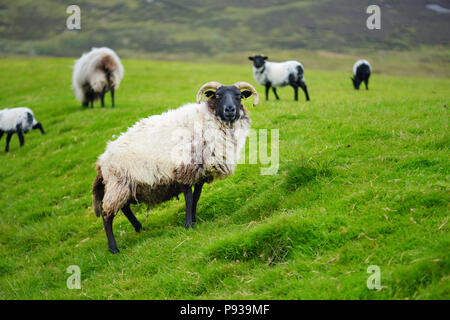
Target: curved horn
pixel 245 85
pixel 209 85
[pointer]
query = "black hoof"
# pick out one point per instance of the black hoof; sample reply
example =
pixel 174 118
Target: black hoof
pixel 114 250
pixel 189 226
pixel 139 229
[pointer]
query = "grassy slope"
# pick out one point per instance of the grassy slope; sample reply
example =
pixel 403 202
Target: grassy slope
pixel 363 180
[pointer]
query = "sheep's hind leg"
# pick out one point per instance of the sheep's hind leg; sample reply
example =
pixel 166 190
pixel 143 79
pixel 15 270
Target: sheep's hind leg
pixel 108 222
pixel 8 139
pixel 132 218
pixel 188 198
pixel 196 197
pixel 1 134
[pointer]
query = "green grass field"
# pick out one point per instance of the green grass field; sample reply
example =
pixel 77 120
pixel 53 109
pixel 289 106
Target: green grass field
pixel 363 180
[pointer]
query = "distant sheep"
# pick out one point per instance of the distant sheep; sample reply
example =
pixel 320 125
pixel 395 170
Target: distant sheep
pixel 145 164
pixel 279 74
pixel 361 73
pixel 17 120
pixel 96 73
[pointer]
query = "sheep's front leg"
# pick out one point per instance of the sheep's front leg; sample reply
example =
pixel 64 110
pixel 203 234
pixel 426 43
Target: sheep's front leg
pixel 102 97
pixel 295 92
pixel 196 197
pixel 112 97
pixel 275 93
pixel 132 218
pixel 8 139
pixel 293 83
pixel 188 198
pixel 305 90
pixel 20 134
pixel 108 223
pixel 268 85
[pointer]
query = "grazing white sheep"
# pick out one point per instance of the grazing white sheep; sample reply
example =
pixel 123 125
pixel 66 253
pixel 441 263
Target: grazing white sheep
pixel 165 155
pixel 361 72
pixel 17 120
pixel 279 74
pixel 96 73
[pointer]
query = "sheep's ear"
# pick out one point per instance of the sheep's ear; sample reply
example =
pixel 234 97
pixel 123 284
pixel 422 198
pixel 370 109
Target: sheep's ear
pixel 246 93
pixel 209 93
pixel 265 58
pixel 250 58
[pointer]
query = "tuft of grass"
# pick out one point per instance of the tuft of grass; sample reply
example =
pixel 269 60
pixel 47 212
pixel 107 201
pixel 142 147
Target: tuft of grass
pixel 272 241
pixel 301 172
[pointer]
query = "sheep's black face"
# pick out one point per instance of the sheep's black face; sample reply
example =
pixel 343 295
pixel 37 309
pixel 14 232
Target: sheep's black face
pixel 258 61
pixel 356 83
pixel 228 102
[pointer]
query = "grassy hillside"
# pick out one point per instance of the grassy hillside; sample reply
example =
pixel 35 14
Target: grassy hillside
pixel 363 180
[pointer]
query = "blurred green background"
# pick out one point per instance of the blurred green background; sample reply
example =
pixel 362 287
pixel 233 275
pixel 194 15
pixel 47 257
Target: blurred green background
pixel 227 31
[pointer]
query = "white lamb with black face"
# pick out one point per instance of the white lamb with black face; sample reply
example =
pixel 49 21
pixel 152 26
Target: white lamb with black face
pixel 279 74
pixel 17 120
pixel 164 155
pixel 96 73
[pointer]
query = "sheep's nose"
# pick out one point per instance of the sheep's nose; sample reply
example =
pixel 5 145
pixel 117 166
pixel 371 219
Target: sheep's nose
pixel 231 109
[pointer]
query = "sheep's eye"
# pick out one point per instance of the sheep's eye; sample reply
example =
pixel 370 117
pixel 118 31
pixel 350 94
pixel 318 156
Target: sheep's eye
pixel 217 96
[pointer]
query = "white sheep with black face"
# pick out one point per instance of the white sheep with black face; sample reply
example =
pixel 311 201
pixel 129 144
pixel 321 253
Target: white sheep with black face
pixel 168 154
pixel 96 73
pixel 361 73
pixel 17 120
pixel 279 74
